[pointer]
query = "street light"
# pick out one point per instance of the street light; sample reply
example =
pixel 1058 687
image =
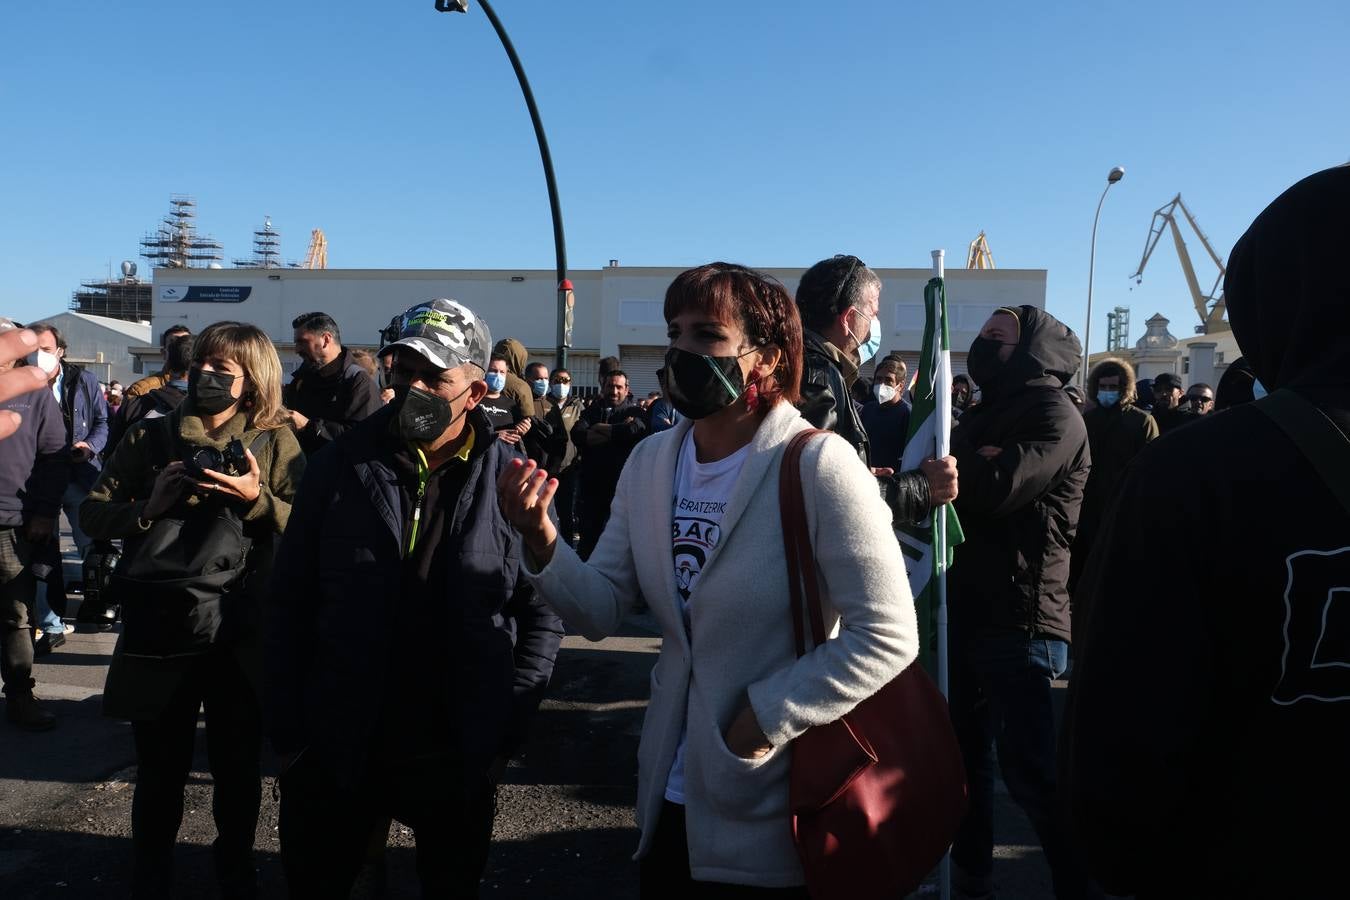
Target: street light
pixel 566 299
pixel 1111 178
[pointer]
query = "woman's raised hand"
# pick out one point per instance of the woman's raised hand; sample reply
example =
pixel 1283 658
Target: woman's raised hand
pixel 525 492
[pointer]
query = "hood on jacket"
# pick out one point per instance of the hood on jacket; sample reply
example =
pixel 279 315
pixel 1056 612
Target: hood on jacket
pixel 1047 353
pixel 1114 365
pixel 1288 300
pixel 513 351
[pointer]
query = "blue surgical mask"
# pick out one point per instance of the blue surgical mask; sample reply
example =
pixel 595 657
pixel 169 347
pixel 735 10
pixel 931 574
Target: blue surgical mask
pixel 1258 389
pixel 559 392
pixel 539 386
pixel 1108 398
pixel 495 381
pixel 868 349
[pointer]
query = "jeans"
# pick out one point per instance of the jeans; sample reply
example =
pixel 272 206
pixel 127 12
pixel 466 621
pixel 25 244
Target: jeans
pixel 164 759
pixel 1000 696
pixel 16 609
pixel 44 616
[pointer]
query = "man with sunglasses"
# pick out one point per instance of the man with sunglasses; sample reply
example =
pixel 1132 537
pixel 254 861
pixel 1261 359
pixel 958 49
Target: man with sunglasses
pixel 1200 398
pixel 840 303
pixel 330 392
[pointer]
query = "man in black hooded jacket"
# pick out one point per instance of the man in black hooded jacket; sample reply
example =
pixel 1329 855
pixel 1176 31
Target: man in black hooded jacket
pixel 1023 456
pixel 1221 770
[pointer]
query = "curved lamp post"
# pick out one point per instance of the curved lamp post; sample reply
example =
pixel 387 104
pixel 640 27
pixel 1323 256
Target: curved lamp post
pixel 1111 178
pixel 566 299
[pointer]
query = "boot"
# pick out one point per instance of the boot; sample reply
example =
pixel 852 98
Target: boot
pixel 23 711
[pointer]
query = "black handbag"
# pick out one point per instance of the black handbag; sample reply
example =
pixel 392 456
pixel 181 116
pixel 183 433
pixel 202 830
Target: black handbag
pixel 174 580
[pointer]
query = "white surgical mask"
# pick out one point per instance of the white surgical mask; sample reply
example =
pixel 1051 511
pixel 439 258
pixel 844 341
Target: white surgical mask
pixel 884 393
pixel 559 392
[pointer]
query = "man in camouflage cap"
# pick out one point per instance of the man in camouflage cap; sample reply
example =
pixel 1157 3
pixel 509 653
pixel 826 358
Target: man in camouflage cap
pixel 397 521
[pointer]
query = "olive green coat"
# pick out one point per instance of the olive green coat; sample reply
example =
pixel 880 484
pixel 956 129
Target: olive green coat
pixel 138 688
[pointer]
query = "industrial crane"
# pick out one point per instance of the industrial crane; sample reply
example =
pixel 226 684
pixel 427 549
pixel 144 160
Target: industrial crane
pixel 317 258
pixel 1210 307
pixel 980 256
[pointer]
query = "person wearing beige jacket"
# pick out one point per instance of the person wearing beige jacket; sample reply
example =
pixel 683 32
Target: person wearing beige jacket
pixel 695 530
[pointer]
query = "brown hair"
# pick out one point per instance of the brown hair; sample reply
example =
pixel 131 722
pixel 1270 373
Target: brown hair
pixel 248 346
pixel 763 307
pixel 363 359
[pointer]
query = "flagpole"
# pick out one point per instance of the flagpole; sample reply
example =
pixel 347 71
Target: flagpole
pixel 942 434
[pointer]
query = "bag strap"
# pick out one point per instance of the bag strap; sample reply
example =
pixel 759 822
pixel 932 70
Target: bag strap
pixel 801 561
pixel 1317 437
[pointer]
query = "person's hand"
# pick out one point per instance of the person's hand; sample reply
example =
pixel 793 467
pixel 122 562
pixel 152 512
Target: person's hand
pixel 298 421
pixel 387 395
pixel 15 344
pixel 510 436
pixel 745 738
pixel 39 529
pixel 171 484
pixel 883 473
pixel 989 452
pixel 523 427
pixel 81 452
pixel 525 491
pixel 244 487
pixel 942 480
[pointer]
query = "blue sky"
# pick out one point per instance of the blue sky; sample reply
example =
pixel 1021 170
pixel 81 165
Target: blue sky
pixel 770 133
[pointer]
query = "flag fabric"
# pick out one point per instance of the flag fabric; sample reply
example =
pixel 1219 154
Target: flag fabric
pixel 929 546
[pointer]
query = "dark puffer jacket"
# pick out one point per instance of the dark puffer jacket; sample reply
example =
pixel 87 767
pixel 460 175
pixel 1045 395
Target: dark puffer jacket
pixel 1019 510
pixel 333 397
pixel 338 579
pixel 827 403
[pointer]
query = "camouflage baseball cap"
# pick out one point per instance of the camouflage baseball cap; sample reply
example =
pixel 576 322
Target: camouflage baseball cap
pixel 446 332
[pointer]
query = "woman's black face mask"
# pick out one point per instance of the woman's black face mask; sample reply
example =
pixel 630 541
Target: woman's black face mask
pixel 210 391
pixel 698 385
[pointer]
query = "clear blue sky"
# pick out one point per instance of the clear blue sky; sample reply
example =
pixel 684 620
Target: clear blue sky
pixel 770 133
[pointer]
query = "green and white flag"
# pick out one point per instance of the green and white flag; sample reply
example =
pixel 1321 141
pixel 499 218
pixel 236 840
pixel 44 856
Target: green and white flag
pixel 928 547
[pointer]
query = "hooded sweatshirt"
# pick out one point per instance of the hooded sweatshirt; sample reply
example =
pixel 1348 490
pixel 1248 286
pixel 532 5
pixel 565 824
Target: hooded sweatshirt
pixel 517 391
pixel 1019 509
pixel 1219 767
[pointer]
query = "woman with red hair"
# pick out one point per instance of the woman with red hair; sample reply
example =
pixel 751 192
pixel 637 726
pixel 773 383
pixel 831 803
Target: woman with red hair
pixel 728 691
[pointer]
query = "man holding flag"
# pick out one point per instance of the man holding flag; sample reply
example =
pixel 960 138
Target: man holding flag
pixel 1023 455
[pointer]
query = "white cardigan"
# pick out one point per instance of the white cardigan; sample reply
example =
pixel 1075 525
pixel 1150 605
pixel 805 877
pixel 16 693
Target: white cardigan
pixel 742 638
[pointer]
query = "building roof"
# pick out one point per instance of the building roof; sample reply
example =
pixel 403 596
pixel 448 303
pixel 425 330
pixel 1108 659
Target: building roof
pixel 138 332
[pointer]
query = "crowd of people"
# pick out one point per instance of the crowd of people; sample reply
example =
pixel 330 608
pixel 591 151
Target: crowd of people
pixel 277 542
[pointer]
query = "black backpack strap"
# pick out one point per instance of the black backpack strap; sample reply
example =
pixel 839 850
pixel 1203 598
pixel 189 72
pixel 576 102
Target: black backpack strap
pixel 1319 439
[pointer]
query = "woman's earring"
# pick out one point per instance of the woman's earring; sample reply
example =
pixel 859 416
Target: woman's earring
pixel 752 397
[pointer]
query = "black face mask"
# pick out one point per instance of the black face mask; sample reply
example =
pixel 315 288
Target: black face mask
pixel 210 391
pixel 983 363
pixel 699 386
pixel 422 416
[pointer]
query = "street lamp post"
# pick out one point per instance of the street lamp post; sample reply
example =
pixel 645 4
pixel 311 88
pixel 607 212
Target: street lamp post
pixel 1111 178
pixel 566 299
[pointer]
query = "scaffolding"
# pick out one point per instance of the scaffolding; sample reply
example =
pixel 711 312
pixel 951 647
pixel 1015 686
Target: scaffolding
pixel 266 248
pixel 126 298
pixel 1118 330
pixel 175 244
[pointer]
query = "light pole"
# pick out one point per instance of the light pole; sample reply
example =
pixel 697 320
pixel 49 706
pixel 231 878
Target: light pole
pixel 1111 178
pixel 566 299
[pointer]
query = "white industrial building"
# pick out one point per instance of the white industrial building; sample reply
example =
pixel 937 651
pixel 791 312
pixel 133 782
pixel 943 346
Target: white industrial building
pixel 110 348
pixel 618 308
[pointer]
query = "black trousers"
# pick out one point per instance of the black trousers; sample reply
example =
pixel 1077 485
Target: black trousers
pixel 164 758
pixel 18 589
pixel 665 868
pixel 326 829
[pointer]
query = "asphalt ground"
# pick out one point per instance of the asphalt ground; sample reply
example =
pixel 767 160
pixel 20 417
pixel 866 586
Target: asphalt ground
pixel 564 827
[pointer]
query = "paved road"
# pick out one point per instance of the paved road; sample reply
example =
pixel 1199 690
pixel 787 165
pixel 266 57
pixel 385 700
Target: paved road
pixel 564 829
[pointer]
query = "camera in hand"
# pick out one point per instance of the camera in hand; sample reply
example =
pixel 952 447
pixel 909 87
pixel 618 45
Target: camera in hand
pixel 231 461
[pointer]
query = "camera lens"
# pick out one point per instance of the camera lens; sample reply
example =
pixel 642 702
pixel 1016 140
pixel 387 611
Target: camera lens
pixel 207 458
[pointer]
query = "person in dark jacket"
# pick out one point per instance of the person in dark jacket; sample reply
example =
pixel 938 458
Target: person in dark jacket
pixel 159 401
pixel 1168 410
pixel 34 468
pixel 605 434
pixel 886 417
pixel 1221 772
pixel 1023 455
pixel 560 454
pixel 399 518
pixel 1117 431
pixel 160 378
pixel 840 304
pixel 1237 385
pixel 330 392
pixel 85 411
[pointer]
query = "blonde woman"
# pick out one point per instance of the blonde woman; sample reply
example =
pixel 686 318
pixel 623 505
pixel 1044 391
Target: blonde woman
pixel 198 497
